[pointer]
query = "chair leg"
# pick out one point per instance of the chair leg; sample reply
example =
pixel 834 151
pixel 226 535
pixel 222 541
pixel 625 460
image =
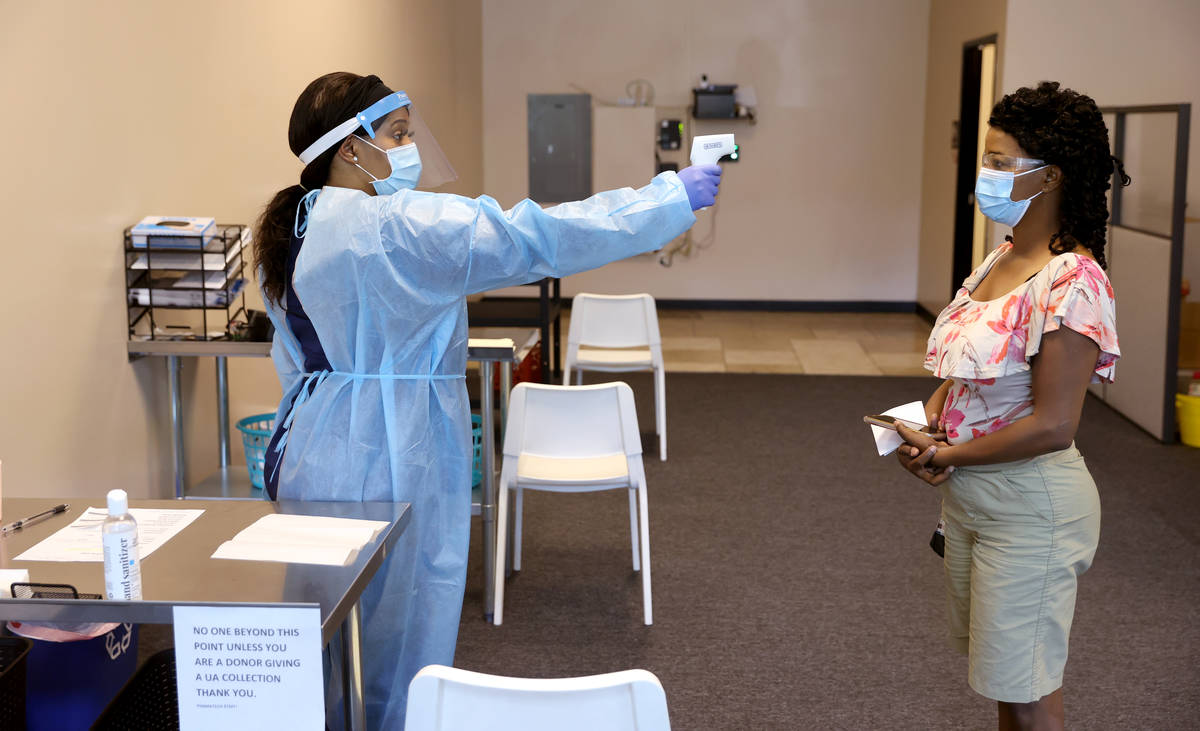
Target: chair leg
pixel 567 374
pixel 579 377
pixel 519 512
pixel 647 609
pixel 633 529
pixel 511 532
pixel 501 551
pixel 660 410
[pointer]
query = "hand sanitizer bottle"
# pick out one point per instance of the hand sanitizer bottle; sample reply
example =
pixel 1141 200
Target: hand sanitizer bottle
pixel 122 563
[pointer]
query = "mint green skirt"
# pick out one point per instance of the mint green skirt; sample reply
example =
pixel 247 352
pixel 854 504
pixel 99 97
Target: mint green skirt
pixel 1018 536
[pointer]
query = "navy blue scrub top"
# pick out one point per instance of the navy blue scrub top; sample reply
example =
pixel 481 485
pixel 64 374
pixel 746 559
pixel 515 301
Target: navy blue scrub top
pixel 314 361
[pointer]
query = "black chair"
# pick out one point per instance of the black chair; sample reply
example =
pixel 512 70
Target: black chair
pixel 148 701
pixel 13 651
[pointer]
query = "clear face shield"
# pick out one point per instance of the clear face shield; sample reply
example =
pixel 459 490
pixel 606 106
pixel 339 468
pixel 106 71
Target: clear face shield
pixel 407 123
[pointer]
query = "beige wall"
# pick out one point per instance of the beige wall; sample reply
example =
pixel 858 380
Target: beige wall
pixel 951 24
pixel 823 206
pixel 1121 54
pixel 118 110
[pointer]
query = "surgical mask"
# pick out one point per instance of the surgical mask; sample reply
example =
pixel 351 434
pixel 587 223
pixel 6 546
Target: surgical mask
pixel 993 192
pixel 406 168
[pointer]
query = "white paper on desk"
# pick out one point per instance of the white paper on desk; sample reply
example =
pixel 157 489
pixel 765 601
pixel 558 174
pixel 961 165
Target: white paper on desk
pixel 887 440
pixel 311 553
pixel 302 539
pixel 8 577
pixel 313 528
pixel 80 541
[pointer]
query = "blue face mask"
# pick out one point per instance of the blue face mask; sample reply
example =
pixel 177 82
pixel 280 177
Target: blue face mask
pixel 993 192
pixel 406 169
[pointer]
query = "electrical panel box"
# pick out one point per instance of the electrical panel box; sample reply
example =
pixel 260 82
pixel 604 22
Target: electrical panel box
pixel 560 147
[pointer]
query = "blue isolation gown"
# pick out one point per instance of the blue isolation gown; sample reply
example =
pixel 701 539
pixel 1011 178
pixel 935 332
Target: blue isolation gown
pixel 382 280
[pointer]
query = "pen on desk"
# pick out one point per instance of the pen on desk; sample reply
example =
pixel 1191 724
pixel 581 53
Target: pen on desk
pixel 17 524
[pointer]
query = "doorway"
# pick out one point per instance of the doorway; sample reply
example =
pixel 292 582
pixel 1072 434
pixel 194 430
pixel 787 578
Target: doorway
pixel 973 233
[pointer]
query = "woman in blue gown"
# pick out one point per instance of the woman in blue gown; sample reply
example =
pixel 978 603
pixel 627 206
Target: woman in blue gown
pixel 365 278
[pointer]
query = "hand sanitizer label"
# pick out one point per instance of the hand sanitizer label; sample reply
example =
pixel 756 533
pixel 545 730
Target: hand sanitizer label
pixel 122 574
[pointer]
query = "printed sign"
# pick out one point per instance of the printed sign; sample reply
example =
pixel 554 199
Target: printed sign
pixel 249 667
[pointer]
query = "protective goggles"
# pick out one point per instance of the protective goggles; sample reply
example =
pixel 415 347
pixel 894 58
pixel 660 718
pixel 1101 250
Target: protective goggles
pixel 1004 163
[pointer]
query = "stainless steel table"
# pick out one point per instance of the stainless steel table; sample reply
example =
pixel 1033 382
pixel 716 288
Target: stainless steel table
pixel 173 350
pixel 504 353
pixel 180 573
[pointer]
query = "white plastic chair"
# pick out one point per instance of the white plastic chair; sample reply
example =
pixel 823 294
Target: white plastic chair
pixel 448 699
pixel 572 439
pixel 599 324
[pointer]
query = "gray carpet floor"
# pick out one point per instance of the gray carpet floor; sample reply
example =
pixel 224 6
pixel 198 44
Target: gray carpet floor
pixel 794 587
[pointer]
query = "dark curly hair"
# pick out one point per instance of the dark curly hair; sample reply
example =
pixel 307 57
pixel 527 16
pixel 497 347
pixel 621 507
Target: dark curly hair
pixel 1065 128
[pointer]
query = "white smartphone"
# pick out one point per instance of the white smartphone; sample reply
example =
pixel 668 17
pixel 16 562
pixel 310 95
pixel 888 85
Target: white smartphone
pixel 889 422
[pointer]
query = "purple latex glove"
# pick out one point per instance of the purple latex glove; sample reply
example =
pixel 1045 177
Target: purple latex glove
pixel 701 183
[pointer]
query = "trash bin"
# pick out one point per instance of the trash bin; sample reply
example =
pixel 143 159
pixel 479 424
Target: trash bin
pixel 68 684
pixel 256 437
pixel 150 700
pixel 1187 408
pixel 476 449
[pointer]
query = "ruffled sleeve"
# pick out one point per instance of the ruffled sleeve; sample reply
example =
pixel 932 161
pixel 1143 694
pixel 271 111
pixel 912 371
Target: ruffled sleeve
pixel 1075 293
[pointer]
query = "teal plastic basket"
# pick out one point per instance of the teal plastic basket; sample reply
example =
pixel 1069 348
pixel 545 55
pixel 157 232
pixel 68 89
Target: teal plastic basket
pixel 257 430
pixel 476 449
pixel 256 435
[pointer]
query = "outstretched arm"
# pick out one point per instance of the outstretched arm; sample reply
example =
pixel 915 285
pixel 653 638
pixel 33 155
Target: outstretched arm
pixel 529 242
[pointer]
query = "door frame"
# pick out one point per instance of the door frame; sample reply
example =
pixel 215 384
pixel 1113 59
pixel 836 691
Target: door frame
pixel 968 156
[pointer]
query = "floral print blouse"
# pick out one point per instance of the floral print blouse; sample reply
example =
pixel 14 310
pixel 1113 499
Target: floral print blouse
pixel 986 347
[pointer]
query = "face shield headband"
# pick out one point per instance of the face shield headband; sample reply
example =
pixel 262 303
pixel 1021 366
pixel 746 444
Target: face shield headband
pixel 365 119
pixel 436 169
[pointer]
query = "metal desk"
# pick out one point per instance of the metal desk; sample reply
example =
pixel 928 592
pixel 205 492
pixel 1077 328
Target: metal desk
pixel 180 573
pixel 232 482
pixel 173 350
pixel 487 356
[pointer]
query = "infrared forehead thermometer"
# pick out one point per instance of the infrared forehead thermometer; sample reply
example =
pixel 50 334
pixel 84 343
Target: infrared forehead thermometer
pixel 707 149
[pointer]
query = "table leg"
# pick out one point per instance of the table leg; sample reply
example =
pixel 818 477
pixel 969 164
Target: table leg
pixel 352 674
pixel 173 368
pixel 557 296
pixel 544 319
pixel 506 385
pixel 487 507
pixel 547 366
pixel 223 411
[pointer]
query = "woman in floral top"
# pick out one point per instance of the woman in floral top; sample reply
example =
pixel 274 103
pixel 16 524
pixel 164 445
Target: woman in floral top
pixel 1017 348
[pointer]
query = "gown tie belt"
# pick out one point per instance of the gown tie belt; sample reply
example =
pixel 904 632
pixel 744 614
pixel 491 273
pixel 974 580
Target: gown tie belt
pixel 316 378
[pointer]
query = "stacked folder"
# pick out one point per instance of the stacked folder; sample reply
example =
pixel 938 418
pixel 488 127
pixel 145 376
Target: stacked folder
pixel 302 539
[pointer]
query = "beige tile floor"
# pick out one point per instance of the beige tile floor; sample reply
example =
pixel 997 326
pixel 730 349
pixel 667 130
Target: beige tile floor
pixel 707 341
